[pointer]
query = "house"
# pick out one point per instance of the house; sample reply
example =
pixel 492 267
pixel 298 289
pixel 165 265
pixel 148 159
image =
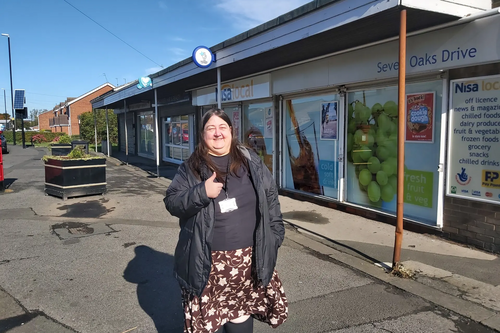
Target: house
pixel 64 117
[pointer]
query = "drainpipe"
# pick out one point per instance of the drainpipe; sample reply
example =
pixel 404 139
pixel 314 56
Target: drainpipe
pixel 70 132
pixel 401 140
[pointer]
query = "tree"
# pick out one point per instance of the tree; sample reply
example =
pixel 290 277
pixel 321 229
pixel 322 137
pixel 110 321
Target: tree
pixel 34 113
pixel 4 116
pixel 87 126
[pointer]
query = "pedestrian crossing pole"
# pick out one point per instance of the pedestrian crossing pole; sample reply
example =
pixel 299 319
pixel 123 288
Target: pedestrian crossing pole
pixel 401 141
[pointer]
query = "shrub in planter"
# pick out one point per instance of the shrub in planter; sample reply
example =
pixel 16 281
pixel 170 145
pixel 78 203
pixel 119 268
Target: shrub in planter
pixel 61 145
pixel 74 175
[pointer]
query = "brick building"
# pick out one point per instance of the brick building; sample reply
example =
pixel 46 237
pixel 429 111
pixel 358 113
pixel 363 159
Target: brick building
pixel 64 116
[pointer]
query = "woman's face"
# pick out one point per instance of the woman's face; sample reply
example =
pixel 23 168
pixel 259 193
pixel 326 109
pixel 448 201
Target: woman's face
pixel 217 136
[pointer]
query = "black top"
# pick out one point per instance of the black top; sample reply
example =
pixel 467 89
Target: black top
pixel 235 230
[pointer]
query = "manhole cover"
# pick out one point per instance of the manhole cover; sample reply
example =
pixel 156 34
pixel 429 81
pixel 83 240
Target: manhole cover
pixel 69 230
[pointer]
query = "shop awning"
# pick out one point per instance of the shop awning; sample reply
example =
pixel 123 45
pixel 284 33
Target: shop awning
pixel 314 30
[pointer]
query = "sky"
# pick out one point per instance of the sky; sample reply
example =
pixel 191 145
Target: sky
pixel 66 48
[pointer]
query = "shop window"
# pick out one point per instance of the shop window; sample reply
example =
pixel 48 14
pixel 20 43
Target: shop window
pixel 147 139
pixel 234 114
pixel 310 145
pixel 258 129
pixel 177 134
pixel 371 148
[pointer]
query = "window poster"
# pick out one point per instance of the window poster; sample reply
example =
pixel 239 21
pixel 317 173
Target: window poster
pixel 236 123
pixel 268 131
pixel 420 117
pixel 474 139
pixel 371 171
pixel 328 128
pixel 310 163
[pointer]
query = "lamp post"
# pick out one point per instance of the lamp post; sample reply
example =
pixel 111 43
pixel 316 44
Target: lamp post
pixel 11 93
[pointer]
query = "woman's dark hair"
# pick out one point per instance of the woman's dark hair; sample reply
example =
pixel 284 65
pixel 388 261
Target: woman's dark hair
pixel 201 157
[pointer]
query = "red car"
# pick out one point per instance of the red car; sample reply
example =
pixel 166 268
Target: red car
pixel 185 135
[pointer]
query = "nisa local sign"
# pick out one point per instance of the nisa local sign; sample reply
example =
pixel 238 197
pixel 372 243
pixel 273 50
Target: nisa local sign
pixel 232 92
pixel 235 91
pixel 475 86
pixel 144 82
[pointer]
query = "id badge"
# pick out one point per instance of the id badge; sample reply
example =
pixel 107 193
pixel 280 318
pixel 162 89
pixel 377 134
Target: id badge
pixel 228 205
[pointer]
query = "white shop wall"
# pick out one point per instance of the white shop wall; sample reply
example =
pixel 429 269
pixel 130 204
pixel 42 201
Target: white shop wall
pixel 467 44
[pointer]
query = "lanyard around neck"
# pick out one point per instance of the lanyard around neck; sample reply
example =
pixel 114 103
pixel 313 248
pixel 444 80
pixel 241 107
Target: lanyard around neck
pixel 225 182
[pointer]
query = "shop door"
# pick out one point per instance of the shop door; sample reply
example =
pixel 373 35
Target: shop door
pixel 311 146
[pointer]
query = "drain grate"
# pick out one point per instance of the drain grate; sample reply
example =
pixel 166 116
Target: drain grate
pixel 81 231
pixel 68 230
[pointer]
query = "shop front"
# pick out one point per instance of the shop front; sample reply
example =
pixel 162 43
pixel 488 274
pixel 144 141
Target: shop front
pixel 339 123
pixel 315 93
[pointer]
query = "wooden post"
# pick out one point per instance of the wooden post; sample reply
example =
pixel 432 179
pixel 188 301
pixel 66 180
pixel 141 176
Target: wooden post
pixel 401 140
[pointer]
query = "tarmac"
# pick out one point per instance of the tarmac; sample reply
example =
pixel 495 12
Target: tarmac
pixel 459 278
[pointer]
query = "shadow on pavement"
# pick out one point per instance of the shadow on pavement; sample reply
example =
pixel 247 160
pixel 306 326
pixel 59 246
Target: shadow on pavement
pixel 12 322
pixel 8 182
pixel 149 165
pixel 158 292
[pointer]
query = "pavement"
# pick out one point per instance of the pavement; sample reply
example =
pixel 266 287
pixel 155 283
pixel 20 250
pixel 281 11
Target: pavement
pixel 450 275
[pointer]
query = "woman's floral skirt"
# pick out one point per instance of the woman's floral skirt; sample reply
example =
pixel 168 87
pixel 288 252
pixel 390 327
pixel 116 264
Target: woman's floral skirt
pixel 232 292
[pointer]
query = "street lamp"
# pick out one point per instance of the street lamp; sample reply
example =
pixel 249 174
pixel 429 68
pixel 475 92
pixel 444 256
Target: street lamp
pixel 11 93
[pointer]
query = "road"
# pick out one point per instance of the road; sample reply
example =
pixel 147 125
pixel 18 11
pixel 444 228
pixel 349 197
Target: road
pixel 104 264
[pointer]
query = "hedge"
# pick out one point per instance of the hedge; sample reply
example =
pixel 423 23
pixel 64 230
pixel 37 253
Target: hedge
pixel 49 136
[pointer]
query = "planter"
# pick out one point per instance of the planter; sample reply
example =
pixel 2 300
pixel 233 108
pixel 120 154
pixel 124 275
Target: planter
pixel 60 149
pixel 72 178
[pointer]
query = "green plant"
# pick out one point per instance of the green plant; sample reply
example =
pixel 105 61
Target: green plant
pixel 77 152
pixel 64 139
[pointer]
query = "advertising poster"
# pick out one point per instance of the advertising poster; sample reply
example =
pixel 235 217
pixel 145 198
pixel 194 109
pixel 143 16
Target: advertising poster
pixel 268 123
pixel 236 123
pixel 474 139
pixel 420 117
pixel 371 171
pixel 328 129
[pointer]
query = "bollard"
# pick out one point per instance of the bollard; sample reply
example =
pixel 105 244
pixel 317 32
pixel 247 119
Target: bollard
pixel 1 172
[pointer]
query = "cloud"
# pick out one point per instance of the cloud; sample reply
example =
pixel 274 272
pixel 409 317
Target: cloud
pixel 246 15
pixel 152 70
pixel 179 39
pixel 162 5
pixel 177 51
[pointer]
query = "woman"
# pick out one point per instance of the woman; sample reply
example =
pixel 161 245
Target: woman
pixel 231 229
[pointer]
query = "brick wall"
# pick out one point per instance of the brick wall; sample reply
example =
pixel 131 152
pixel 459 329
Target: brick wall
pixel 83 105
pixel 43 120
pixel 472 222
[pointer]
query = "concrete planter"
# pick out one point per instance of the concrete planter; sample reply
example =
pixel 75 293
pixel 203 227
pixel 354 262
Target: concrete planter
pixel 72 178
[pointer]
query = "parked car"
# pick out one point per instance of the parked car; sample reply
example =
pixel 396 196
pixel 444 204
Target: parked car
pixel 185 135
pixel 4 143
